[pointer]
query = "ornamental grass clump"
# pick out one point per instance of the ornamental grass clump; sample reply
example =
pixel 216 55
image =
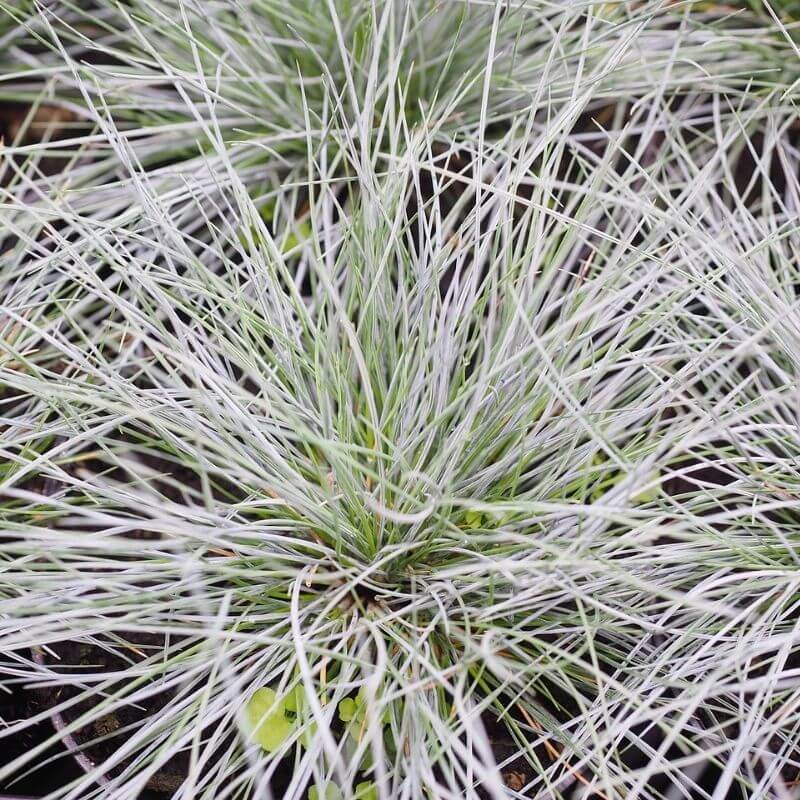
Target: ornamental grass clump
pixel 182 85
pixel 409 455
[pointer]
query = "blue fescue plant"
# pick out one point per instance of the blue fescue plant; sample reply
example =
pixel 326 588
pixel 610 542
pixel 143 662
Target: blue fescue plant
pixel 398 400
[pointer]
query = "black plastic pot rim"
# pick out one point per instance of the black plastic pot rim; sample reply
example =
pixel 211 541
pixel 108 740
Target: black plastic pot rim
pixel 86 764
pixel 69 741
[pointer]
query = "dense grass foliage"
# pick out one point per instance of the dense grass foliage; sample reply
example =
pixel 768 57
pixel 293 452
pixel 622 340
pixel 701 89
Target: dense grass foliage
pixel 399 399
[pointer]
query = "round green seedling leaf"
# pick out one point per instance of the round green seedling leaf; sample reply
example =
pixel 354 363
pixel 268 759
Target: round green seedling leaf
pixel 308 734
pixel 295 704
pixel 356 709
pixel 366 790
pixel 266 719
pixel 294 700
pixel 347 709
pixel 330 792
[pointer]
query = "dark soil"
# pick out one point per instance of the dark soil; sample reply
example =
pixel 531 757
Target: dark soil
pixel 17 704
pixel 98 739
